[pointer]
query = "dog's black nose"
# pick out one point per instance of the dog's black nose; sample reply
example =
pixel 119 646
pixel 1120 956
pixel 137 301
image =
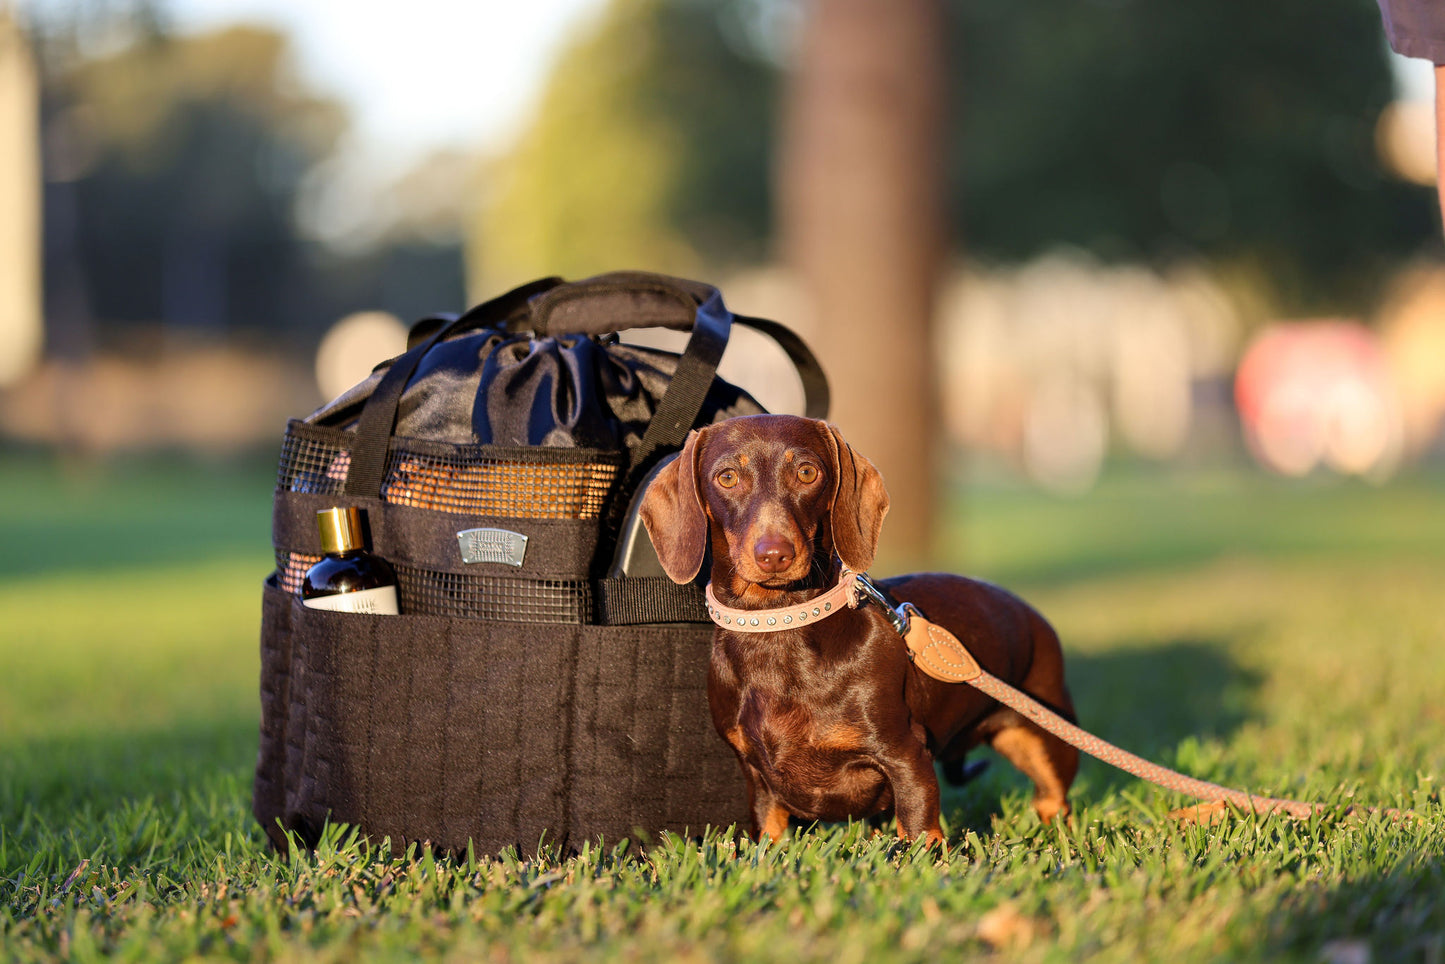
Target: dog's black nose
pixel 773 553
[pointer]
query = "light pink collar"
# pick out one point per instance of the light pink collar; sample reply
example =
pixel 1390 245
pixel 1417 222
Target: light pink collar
pixel 841 596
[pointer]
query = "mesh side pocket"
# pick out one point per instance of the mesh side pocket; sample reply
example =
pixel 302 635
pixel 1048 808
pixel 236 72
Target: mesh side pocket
pixel 478 480
pixel 291 568
pixel 430 593
pixel 494 597
pixel 521 490
pixel 312 463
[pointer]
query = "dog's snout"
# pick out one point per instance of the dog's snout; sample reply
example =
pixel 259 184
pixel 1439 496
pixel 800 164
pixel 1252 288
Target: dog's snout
pixel 773 553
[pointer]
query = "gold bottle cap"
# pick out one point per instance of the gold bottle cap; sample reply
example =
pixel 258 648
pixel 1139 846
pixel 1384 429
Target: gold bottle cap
pixel 340 529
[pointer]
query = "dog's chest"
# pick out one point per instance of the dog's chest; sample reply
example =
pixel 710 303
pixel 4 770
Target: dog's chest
pixel 818 764
pixel 779 729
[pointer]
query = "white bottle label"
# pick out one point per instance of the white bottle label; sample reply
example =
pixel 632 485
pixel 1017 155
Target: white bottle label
pixel 377 602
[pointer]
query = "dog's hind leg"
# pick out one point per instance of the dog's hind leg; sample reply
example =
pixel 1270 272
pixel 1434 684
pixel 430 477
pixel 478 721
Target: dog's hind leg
pixel 1044 758
pixel 960 772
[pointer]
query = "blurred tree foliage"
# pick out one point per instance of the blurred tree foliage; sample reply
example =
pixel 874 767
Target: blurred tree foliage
pixel 650 147
pixel 174 168
pixel 1143 129
pixel 176 163
pixel 1136 129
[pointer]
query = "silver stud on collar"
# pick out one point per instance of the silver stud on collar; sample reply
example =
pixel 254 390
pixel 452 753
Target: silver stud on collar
pixel 787 620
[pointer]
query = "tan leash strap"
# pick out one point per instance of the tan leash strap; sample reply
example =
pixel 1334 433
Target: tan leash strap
pixel 941 655
pixel 938 652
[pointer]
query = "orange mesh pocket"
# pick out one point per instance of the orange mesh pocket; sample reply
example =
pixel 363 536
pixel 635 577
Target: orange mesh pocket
pixel 538 484
pixel 291 569
pixel 521 490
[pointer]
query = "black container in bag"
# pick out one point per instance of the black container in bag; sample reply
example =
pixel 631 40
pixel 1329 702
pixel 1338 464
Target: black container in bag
pixel 544 680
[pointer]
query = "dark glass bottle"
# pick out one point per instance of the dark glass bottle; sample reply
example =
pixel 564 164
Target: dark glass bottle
pixel 348 578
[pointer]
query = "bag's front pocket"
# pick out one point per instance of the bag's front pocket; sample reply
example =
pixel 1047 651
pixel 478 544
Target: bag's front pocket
pixel 453 730
pixel 268 798
pixel 646 755
pixel 429 728
pixel 436 576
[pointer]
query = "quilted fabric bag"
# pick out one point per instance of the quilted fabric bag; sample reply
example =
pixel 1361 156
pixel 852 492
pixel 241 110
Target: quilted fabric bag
pixel 544 682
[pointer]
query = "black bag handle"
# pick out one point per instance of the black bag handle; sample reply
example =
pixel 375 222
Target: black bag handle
pixel 604 304
pixel 622 300
pixel 619 301
pixel 616 302
pixel 499 312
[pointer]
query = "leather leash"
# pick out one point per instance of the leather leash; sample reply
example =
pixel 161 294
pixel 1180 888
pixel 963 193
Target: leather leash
pixel 939 654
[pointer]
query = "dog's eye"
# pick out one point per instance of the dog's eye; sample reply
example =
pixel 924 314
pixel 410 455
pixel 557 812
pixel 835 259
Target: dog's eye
pixel 807 473
pixel 727 478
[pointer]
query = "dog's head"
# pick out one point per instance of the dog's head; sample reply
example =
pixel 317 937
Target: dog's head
pixel 772 494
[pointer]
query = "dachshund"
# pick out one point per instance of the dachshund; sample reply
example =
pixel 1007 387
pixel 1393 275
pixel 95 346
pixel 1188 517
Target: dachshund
pixel 828 715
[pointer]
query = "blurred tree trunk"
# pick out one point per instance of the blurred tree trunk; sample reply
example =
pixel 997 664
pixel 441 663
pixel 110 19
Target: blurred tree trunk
pixel 861 222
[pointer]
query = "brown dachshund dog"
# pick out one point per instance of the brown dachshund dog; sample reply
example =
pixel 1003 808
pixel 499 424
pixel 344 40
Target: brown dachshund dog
pixel 829 717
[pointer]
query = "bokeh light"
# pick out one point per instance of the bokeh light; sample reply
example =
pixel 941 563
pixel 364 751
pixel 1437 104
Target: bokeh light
pixel 1405 140
pixel 353 347
pixel 21 326
pixel 1412 332
pixel 1319 393
pixel 1059 362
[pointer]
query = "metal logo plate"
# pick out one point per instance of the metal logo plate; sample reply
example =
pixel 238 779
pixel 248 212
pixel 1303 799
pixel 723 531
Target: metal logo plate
pixel 492 545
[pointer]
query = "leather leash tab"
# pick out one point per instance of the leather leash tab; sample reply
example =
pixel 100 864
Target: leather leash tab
pixel 938 652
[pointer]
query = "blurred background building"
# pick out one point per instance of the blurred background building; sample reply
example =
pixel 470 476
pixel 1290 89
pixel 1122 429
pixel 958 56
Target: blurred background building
pixel 1052 234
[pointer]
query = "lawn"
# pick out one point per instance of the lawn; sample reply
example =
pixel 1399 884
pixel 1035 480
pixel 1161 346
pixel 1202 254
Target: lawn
pixel 1280 637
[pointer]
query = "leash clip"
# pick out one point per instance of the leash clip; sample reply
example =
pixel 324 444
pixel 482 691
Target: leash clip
pixel 900 616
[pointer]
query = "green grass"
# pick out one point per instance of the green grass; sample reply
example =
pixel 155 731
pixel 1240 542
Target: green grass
pixel 1284 638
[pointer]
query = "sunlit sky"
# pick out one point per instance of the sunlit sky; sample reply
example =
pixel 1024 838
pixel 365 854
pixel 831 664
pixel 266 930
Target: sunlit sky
pixel 423 74
pixel 418 74
pixel 434 71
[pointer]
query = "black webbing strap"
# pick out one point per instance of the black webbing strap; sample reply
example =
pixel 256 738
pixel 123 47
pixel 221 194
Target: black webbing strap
pixel 378 416
pixel 503 311
pixel 816 397
pixel 424 328
pixel 677 412
pixel 373 429
pixel 634 600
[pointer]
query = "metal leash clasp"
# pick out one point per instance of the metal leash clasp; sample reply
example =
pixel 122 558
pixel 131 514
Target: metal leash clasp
pixel 901 616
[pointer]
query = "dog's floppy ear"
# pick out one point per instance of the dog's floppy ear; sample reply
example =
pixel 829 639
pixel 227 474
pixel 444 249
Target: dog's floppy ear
pixel 674 517
pixel 859 504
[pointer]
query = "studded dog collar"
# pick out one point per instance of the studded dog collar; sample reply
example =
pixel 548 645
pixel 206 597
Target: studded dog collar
pixel 842 596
